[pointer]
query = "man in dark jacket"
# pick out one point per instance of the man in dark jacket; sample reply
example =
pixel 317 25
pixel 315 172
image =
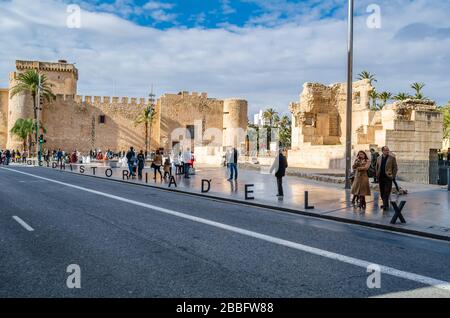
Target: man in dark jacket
pixel 386 173
pixel 7 156
pixel 131 156
pixel 279 166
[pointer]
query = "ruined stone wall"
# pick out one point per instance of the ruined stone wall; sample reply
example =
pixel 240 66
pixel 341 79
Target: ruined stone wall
pixel 414 134
pixel 75 123
pixel 412 129
pixel 320 115
pixel 4 97
pixel 177 111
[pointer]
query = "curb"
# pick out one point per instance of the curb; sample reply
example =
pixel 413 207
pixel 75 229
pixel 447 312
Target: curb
pixel 277 208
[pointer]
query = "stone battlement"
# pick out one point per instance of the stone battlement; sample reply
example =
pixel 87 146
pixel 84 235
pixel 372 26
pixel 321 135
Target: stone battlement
pixel 105 100
pixel 60 66
pixel 186 94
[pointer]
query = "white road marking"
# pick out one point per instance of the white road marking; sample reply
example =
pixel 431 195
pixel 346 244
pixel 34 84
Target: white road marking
pixel 22 222
pixel 304 248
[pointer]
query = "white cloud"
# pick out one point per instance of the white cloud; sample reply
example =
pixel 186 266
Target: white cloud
pixel 198 19
pixel 267 66
pixel 155 5
pixel 226 7
pixel 162 16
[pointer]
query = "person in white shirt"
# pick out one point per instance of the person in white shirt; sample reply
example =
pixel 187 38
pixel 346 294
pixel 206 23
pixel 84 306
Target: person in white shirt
pixel 187 156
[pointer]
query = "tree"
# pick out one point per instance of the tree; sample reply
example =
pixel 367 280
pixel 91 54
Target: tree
pixel 367 75
pixel 385 96
pixel 269 114
pixel 402 96
pixel 147 116
pixel 374 96
pixel 28 82
pixel 446 111
pixel 285 133
pixel 418 88
pixel 276 120
pixel 24 128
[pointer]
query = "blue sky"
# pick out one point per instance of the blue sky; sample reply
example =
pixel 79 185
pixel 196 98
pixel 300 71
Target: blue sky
pixel 189 13
pixel 259 50
pixel 165 14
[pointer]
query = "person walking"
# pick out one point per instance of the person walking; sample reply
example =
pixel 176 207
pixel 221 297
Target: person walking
pixel 73 157
pixel 131 156
pixel 386 172
pixel 177 163
pixel 373 164
pixel 361 187
pixel 7 157
pixel 141 163
pixel 187 157
pixel 279 166
pixel 232 164
pixel 59 156
pixel 157 163
pixel 167 168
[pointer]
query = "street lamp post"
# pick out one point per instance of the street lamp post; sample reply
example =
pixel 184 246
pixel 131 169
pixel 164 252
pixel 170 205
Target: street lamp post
pixel 38 144
pixel 152 108
pixel 348 137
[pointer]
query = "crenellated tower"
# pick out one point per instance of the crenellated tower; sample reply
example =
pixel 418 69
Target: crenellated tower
pixel 62 78
pixel 234 121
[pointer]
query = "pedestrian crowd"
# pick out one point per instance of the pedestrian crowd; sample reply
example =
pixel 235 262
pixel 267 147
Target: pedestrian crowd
pixel 180 162
pixel 382 168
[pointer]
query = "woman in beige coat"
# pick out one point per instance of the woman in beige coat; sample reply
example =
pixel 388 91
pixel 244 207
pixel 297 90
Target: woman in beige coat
pixel 361 186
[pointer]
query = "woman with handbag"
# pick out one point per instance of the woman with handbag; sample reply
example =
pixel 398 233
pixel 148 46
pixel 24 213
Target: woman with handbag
pixel 361 187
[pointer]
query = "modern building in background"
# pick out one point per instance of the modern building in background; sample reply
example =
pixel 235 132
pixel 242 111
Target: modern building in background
pixel 259 120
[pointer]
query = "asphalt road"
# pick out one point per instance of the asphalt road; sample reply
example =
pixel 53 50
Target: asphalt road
pixel 133 241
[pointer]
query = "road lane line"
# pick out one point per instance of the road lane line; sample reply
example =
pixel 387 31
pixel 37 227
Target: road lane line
pixel 22 222
pixel 305 248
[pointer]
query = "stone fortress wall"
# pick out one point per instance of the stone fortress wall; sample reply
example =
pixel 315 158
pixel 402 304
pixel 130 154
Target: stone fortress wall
pixel 213 124
pixel 75 122
pixel 412 129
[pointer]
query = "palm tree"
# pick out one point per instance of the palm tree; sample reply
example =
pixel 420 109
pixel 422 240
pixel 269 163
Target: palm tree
pixel 285 131
pixel 385 96
pixel 418 88
pixel 402 96
pixel 367 75
pixel 147 116
pixel 24 128
pixel 276 120
pixel 374 96
pixel 269 114
pixel 446 111
pixel 28 82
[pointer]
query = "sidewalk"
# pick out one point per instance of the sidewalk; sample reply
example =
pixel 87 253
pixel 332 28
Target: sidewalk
pixel 427 211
